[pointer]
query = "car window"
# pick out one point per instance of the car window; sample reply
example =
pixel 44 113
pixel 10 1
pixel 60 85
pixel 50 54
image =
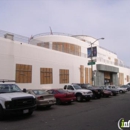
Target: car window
pixel 77 87
pixel 70 87
pixel 61 91
pixel 9 88
pixel 39 92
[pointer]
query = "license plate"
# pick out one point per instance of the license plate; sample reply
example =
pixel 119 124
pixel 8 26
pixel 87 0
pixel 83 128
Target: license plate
pixel 25 111
pixel 50 102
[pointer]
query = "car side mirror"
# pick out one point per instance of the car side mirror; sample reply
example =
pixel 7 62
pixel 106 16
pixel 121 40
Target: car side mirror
pixel 24 90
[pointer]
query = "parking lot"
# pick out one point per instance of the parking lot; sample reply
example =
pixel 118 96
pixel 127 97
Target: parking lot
pixel 98 114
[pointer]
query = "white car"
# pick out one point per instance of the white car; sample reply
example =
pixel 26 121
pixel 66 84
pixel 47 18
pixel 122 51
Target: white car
pixel 79 92
pixel 121 90
pixel 13 100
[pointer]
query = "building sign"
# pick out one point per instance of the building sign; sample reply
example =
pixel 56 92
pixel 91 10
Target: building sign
pixel 92 52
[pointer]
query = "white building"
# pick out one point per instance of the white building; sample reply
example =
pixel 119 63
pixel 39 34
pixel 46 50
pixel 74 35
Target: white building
pixel 50 61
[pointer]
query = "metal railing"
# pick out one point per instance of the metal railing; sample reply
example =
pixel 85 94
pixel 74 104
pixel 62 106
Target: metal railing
pixel 16 37
pixel 29 40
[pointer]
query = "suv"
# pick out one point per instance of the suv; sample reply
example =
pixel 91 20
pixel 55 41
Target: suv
pixel 121 90
pixel 95 90
pixel 79 92
pixel 13 100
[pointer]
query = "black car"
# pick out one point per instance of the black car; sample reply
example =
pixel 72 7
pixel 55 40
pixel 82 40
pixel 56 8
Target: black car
pixel 114 91
pixel 96 91
pixel 126 86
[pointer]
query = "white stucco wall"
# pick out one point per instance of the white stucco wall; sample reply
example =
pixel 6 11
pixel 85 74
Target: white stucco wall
pixel 12 53
pixel 38 57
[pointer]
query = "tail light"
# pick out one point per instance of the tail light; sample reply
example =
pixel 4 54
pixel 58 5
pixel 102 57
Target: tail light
pixel 40 98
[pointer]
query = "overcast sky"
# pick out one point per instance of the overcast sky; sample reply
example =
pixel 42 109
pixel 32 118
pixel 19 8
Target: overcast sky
pixel 97 18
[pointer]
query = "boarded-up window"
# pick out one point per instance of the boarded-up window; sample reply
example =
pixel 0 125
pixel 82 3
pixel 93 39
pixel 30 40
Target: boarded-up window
pixel 81 74
pixel 107 75
pixel 23 73
pixel 64 76
pixel 67 48
pixel 86 75
pixel 46 76
pixel 127 78
pixel 90 76
pixel 121 79
pixel 43 44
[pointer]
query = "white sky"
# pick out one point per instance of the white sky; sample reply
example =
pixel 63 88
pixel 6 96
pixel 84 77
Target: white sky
pixel 97 18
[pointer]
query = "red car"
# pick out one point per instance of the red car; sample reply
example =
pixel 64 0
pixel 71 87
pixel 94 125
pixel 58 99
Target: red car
pixel 62 96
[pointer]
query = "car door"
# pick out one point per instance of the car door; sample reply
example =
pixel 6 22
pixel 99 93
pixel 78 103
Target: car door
pixel 70 88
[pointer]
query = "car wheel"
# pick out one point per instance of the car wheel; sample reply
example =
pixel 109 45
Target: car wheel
pixel 48 106
pixel 120 91
pixel 79 97
pixel 69 102
pixel 58 101
pixel 88 99
pixel 1 113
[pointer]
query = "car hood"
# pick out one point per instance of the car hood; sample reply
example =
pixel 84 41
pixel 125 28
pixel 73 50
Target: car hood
pixel 9 96
pixel 83 90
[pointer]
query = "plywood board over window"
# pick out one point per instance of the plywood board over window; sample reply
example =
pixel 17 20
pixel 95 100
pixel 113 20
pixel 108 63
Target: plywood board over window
pixel 121 78
pixel 90 76
pixel 64 76
pixel 86 75
pixel 46 76
pixel 81 74
pixel 23 73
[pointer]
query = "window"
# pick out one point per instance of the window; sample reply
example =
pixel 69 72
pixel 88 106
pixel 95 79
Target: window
pixel 23 73
pixel 64 76
pixel 46 76
pixel 70 87
pixel 67 48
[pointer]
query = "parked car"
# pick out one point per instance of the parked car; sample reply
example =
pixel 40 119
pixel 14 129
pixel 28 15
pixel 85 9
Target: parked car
pixel 43 98
pixel 113 91
pixel 104 92
pixel 62 96
pixel 14 101
pixel 121 90
pixel 126 86
pixel 96 91
pixel 79 92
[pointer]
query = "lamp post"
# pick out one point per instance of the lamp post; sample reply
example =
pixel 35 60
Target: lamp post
pixel 91 43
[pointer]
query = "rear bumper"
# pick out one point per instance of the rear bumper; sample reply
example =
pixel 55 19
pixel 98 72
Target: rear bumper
pixel 46 103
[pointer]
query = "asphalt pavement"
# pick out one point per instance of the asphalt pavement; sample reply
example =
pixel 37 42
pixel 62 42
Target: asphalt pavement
pixel 98 114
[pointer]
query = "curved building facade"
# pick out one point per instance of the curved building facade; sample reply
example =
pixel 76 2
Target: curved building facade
pixel 50 61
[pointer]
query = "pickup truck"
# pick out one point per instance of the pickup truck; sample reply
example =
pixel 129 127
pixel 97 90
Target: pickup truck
pixel 14 101
pixel 79 92
pixel 96 91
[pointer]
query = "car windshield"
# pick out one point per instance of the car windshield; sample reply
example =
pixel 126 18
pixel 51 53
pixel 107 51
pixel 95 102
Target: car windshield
pixel 61 91
pixel 77 87
pixel 8 88
pixel 40 92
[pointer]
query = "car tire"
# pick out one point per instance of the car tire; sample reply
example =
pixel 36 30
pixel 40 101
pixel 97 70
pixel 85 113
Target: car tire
pixel 79 97
pixel 120 91
pixel 88 99
pixel 58 101
pixel 69 102
pixel 48 106
pixel 1 113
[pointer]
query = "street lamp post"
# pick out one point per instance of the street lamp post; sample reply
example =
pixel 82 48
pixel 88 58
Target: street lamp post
pixel 91 43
